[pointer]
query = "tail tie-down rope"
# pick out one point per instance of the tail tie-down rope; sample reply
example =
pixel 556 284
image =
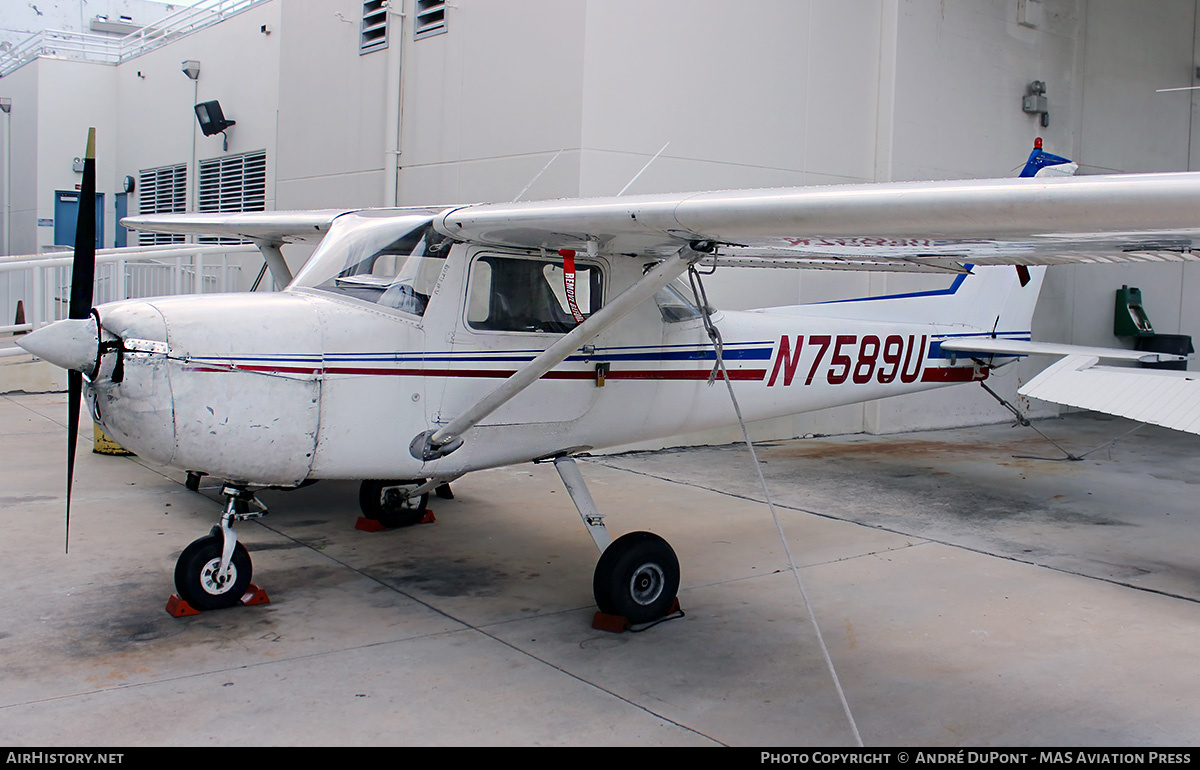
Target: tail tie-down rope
pixel 715 335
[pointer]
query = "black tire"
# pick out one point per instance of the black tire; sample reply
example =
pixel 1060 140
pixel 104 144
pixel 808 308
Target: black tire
pixel 388 503
pixel 196 567
pixel 637 578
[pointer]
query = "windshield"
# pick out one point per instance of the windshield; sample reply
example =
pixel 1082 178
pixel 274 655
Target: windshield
pixel 386 258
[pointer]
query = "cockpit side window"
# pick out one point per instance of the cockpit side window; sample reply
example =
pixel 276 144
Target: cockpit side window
pixel 529 295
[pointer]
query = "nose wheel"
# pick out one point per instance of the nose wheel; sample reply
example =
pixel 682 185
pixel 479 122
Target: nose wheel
pixel 200 580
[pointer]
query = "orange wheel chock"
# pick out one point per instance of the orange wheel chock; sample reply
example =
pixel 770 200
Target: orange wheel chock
pixel 615 624
pixel 372 525
pixel 179 608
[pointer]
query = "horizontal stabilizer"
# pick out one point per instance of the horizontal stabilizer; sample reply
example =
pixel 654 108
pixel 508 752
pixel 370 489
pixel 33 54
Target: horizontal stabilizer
pixel 1169 398
pixel 991 346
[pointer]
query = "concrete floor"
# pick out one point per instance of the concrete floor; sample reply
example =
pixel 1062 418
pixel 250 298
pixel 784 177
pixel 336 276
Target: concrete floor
pixel 967 597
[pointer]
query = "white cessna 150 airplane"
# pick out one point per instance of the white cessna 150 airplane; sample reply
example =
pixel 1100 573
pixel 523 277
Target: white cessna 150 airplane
pixel 420 344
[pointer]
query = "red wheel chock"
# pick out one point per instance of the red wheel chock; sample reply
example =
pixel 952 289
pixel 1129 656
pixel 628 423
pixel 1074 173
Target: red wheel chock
pixel 372 525
pixel 178 608
pixel 254 596
pixel 615 624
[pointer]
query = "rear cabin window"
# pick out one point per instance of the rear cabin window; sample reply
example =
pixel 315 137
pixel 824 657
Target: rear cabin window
pixel 513 294
pixel 675 303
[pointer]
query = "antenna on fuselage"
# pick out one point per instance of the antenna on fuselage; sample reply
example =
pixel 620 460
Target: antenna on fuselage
pixel 537 176
pixel 635 176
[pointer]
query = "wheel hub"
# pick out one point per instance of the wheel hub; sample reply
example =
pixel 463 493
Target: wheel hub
pixel 647 584
pixel 396 498
pixel 214 583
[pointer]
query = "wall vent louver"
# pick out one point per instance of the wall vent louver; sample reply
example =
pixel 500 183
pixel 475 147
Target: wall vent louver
pixel 233 183
pixel 162 191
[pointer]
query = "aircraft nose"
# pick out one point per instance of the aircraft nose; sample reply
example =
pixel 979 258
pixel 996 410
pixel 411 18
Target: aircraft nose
pixel 71 343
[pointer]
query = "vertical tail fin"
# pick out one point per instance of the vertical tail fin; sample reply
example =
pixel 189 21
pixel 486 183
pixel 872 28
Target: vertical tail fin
pixel 1042 163
pixel 990 298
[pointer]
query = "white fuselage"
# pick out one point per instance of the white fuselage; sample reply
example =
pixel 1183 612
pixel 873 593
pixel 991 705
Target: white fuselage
pixel 279 388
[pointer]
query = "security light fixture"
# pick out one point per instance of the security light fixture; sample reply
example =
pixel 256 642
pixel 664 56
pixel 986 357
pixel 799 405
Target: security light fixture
pixel 191 68
pixel 212 119
pixel 5 104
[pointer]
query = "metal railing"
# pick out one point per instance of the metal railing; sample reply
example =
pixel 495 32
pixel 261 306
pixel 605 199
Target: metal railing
pixel 89 46
pixel 42 284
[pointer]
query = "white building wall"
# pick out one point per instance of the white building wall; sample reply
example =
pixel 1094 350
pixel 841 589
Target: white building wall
pixel 332 106
pixel 21 158
pixel 62 134
pixel 490 102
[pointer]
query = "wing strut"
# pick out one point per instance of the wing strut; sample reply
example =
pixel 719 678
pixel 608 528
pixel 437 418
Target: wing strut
pixel 431 445
pixel 273 256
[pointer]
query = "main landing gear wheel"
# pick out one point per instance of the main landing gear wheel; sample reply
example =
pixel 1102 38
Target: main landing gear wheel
pixel 197 579
pixel 637 578
pixel 391 503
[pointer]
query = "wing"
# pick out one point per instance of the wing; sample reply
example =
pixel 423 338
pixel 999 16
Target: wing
pixel 268 226
pixel 904 226
pixel 912 226
pixel 1160 397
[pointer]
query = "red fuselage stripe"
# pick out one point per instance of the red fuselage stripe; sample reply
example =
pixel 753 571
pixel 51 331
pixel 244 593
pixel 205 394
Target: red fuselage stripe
pixel 953 374
pixel 934 374
pixel 631 374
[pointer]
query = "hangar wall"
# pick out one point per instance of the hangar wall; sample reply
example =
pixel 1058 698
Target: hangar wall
pixel 767 93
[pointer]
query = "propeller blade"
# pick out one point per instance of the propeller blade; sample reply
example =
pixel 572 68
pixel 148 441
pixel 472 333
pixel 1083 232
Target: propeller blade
pixel 83 267
pixel 83 276
pixel 74 394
